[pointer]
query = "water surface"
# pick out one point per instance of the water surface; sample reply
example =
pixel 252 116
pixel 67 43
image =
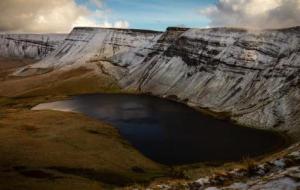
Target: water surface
pixel 169 132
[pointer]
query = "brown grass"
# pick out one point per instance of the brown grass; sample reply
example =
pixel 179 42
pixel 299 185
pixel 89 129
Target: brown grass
pixel 7 66
pixel 40 140
pixel 76 81
pixel 57 150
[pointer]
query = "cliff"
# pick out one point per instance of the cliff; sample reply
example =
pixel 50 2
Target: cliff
pixel 248 76
pixel 35 46
pixel 251 77
pixel 83 44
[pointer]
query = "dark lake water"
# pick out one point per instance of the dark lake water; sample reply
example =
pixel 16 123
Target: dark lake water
pixel 169 132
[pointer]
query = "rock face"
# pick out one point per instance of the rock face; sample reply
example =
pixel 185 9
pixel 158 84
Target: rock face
pixel 34 46
pixel 251 77
pixel 84 44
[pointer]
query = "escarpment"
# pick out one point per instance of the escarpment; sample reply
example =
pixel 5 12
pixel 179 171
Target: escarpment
pixel 83 44
pixel 34 46
pixel 249 76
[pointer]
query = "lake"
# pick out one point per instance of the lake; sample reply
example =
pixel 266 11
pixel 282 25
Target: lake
pixel 168 132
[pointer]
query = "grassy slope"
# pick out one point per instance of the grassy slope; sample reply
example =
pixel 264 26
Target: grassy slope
pixel 55 150
pixel 58 150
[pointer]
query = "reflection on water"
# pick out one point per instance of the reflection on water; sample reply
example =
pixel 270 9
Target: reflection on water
pixel 169 132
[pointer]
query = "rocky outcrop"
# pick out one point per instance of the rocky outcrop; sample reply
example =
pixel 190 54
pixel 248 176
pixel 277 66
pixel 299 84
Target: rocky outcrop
pixel 276 174
pixel 251 77
pixel 34 46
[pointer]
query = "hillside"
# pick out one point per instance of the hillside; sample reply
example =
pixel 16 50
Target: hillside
pixel 250 77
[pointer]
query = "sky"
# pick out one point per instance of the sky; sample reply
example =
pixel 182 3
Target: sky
pixel 60 16
pixel 156 14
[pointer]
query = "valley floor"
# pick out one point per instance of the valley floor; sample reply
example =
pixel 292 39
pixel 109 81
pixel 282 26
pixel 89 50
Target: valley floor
pixel 55 150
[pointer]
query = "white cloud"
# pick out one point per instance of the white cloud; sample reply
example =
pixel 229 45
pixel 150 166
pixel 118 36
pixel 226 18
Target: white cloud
pixel 254 13
pixel 49 16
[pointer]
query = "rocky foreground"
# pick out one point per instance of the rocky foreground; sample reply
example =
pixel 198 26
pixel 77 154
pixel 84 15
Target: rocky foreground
pixel 248 76
pixel 277 174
